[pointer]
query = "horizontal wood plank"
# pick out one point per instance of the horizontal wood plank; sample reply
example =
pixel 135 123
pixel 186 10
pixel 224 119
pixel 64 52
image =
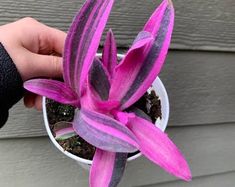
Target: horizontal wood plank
pixel 218 180
pixel 208 150
pixel 35 162
pixel 201 88
pixel 23 122
pixel 23 162
pixel 202 25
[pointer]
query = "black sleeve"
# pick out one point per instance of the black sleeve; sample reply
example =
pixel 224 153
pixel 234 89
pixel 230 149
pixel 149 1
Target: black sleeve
pixel 11 85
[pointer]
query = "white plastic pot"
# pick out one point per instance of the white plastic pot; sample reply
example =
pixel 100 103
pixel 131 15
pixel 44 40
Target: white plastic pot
pixel 160 90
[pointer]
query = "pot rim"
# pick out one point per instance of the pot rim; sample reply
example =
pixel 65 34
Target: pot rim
pixel 162 126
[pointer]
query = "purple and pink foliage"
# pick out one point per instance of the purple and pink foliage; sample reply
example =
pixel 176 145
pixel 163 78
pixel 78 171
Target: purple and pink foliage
pixel 102 90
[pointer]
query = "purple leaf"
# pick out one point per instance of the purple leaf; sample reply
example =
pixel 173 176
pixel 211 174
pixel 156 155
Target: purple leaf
pixel 83 40
pixel 98 79
pixel 52 89
pixel 139 113
pixel 158 148
pixel 91 100
pixel 109 56
pixel 98 89
pixel 107 168
pixel 104 132
pixel 63 130
pixel 143 65
pixel 141 37
pixel 154 22
pixel 123 117
pixel 126 72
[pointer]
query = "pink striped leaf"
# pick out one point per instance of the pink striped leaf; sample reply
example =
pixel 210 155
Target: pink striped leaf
pixel 98 89
pixel 98 79
pixel 125 73
pixel 91 100
pixel 64 130
pixel 158 148
pixel 83 40
pixel 109 56
pixel 138 112
pixel 52 89
pixel 104 132
pixel 107 168
pixel 143 66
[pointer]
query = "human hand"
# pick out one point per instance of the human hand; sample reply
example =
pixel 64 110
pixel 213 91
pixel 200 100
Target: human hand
pixel 32 47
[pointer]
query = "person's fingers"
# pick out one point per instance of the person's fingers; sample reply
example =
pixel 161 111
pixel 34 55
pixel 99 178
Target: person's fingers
pixel 44 66
pixel 51 40
pixel 32 100
pixel 29 99
pixel 38 102
pixel 56 39
pixel 40 38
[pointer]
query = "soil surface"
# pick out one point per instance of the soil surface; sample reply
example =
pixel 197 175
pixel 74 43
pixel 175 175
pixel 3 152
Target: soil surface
pixel 151 105
pixel 57 112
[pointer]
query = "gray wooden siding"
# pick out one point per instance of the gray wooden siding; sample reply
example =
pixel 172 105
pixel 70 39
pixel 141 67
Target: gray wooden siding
pixel 208 149
pixel 199 77
pixel 204 25
pixel 224 179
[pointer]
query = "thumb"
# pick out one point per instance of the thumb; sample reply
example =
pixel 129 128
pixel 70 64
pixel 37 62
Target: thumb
pixel 45 66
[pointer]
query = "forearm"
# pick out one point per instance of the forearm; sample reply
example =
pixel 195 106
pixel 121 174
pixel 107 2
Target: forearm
pixel 11 84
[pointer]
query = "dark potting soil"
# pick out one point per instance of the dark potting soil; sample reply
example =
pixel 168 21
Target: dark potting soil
pixel 57 112
pixel 151 105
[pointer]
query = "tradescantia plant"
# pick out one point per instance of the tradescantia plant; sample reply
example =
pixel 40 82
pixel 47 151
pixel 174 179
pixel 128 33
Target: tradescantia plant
pixel 104 92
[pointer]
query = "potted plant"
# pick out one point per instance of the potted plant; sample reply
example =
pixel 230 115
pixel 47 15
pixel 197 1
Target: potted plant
pixel 56 116
pixel 104 91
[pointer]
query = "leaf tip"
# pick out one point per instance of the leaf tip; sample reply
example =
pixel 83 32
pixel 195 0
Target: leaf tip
pixel 170 3
pixel 186 174
pixel 187 178
pixel 26 84
pixel 110 31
